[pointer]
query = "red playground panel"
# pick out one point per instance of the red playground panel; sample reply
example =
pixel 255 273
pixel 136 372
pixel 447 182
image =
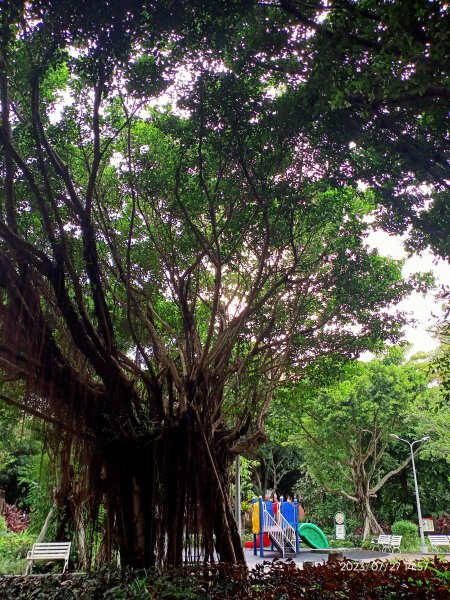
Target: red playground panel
pixel 266 541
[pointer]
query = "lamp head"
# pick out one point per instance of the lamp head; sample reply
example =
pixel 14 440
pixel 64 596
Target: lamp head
pixel 425 439
pixel 394 435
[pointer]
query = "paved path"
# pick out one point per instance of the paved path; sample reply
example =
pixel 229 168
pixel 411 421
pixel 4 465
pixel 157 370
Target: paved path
pixel 307 555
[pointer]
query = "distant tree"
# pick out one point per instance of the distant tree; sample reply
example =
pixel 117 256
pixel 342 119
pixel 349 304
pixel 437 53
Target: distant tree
pixel 441 363
pixel 275 462
pixel 396 500
pixel 345 428
pixel 320 505
pixel 20 442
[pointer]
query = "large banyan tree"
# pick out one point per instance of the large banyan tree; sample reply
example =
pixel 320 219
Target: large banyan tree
pixel 161 270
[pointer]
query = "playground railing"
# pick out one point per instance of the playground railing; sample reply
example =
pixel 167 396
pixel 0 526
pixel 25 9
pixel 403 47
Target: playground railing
pixel 288 531
pixel 279 532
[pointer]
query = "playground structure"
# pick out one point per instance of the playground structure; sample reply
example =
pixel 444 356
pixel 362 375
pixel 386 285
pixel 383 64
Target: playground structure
pixel 276 524
pixel 279 522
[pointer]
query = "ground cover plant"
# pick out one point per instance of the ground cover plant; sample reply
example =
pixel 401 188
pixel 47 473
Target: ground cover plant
pixel 277 580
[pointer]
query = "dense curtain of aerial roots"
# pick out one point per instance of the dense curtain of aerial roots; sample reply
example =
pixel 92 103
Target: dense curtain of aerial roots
pixel 167 500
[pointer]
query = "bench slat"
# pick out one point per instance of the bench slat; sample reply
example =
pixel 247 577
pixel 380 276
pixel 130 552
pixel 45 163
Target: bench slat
pixel 52 545
pixel 388 542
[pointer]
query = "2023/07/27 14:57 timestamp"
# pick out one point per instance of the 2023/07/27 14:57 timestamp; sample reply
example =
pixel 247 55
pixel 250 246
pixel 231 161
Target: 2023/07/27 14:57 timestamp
pixel 377 566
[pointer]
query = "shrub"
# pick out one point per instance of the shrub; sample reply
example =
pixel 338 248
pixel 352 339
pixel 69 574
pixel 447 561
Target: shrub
pixel 352 526
pixel 367 544
pixel 15 545
pixel 16 519
pixel 442 524
pixel 355 539
pixel 410 535
pixel 272 581
pixel 13 550
pixel 3 527
pixel 340 543
pixel 351 541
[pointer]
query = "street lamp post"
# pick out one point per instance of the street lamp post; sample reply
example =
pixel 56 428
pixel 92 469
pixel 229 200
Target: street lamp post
pixel 423 546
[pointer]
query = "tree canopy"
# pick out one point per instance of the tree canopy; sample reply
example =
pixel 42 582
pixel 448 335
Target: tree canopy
pixel 344 429
pixel 365 86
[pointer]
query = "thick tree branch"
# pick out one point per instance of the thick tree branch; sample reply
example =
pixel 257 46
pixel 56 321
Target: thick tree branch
pixel 391 473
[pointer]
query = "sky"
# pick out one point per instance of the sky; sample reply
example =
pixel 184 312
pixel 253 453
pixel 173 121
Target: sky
pixel 426 309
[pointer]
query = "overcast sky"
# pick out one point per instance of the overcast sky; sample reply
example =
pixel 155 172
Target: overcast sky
pixel 427 309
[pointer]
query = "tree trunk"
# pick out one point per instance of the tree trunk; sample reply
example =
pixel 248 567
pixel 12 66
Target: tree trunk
pixel 81 539
pixel 2 501
pixel 130 511
pixel 371 524
pixel 168 499
pixel 48 519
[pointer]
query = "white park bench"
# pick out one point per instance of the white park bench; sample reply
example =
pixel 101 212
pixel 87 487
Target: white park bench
pixel 394 543
pixel 381 541
pixel 48 551
pixel 439 540
pixel 388 543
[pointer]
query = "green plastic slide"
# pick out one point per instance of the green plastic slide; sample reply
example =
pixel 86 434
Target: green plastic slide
pixel 312 536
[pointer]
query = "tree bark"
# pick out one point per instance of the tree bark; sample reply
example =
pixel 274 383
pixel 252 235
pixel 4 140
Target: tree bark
pixel 371 524
pixel 168 500
pixel 2 501
pixel 46 525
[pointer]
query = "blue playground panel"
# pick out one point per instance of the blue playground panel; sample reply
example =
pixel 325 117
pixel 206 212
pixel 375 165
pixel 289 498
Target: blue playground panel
pixel 288 510
pixel 290 513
